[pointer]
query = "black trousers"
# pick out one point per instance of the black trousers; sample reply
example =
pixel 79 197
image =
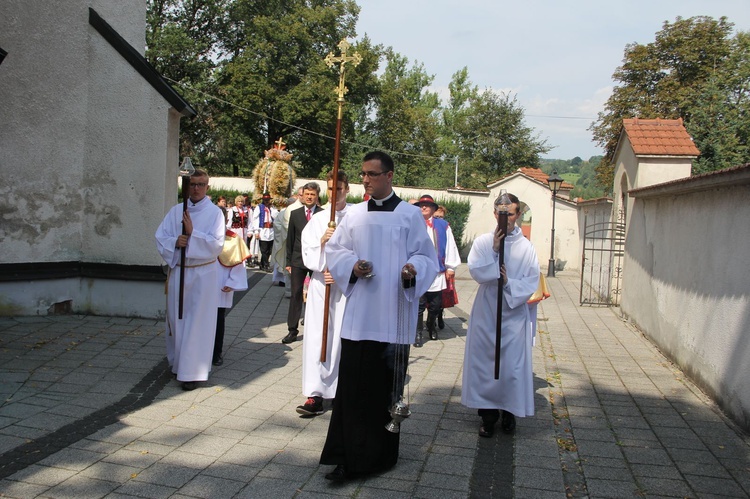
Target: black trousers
pixel 265 252
pixel 297 278
pixel 433 302
pixel 219 338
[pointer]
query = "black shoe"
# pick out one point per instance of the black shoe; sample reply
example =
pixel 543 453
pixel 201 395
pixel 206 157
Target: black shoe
pixel 418 340
pixel 508 422
pixel 189 386
pixel 282 285
pixel 433 334
pixel 486 430
pixel 313 407
pixel 338 474
pixel 289 338
pixel 218 362
pixel 441 323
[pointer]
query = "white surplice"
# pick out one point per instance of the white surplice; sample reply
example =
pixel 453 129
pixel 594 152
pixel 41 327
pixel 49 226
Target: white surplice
pixel 390 240
pixel 190 340
pixel 514 391
pixel 320 378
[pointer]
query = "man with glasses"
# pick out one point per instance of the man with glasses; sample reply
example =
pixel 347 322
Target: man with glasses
pixel 190 340
pixel 382 260
pixel 513 392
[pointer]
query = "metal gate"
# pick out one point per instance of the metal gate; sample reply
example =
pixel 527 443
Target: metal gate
pixel 601 265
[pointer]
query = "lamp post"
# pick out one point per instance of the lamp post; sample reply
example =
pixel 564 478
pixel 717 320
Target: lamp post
pixel 554 182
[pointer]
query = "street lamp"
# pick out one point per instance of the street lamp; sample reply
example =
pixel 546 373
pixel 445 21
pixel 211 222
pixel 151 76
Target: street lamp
pixel 554 182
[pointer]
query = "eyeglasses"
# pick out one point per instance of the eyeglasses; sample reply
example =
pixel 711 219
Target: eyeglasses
pixel 198 184
pixel 371 174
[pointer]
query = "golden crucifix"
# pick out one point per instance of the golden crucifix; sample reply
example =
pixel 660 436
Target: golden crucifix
pixel 341 90
pixel 330 59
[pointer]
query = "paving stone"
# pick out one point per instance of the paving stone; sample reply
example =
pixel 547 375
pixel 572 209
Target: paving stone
pixel 79 486
pixel 21 490
pixel 167 475
pixel 607 473
pixel 135 488
pixel 213 487
pixel 725 487
pixel 612 488
pixel 267 487
pixel 535 478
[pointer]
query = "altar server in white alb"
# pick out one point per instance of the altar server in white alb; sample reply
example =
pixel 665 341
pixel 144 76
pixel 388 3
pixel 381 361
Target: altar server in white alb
pixel 319 379
pixel 383 261
pixel 513 392
pixel 190 340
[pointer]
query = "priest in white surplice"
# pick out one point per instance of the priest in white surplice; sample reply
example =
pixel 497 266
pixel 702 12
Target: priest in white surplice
pixel 319 379
pixel 389 233
pixel 513 393
pixel 190 340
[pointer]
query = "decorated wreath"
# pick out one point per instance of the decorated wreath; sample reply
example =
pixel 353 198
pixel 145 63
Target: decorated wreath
pixel 275 175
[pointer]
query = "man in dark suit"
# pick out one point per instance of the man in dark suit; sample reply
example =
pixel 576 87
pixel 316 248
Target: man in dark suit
pixel 295 266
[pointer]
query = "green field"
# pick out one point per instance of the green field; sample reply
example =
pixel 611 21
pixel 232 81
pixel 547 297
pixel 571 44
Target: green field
pixel 571 178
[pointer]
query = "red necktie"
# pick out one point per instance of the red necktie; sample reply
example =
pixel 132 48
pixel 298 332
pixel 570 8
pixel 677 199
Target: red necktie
pixel 309 213
pixel 429 222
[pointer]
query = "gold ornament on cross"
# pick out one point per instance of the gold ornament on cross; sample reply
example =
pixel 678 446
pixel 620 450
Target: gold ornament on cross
pixel 331 59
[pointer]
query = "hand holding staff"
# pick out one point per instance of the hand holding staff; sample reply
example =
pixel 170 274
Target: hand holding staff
pixel 341 90
pixel 186 170
pixel 501 211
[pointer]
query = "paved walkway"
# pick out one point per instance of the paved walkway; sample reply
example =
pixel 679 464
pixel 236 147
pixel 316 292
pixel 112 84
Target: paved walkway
pixel 89 410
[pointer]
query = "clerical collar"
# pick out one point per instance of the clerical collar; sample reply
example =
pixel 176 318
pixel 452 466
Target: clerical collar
pixel 379 202
pixel 388 204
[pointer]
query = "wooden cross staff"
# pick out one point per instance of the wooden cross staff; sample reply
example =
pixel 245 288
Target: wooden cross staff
pixel 341 90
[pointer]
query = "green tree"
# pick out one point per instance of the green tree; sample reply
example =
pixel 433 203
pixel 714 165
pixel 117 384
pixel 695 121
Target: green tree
pixel 406 118
pixel 494 140
pixel 665 79
pixel 277 71
pixel 182 41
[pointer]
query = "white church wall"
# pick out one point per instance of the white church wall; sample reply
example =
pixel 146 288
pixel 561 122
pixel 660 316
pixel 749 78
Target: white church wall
pixel 127 142
pixel 89 155
pixel 41 133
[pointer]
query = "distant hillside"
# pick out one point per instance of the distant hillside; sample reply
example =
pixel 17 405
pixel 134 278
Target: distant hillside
pixel 579 173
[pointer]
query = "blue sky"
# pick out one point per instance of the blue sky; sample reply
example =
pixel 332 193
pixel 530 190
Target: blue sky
pixel 557 57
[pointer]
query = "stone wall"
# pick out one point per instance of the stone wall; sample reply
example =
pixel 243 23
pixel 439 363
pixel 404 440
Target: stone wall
pixel 686 276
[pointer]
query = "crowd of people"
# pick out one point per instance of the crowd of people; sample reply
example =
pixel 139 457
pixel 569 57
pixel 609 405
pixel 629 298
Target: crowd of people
pixel 373 269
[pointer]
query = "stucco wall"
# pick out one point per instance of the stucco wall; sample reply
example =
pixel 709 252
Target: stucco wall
pixel 685 284
pixel 88 153
pixel 656 170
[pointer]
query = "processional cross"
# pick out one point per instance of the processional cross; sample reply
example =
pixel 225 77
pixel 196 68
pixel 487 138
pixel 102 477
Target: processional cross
pixel 341 90
pixel 331 60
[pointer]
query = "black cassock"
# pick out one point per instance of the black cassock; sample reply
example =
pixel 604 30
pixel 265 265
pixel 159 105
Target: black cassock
pixel 357 437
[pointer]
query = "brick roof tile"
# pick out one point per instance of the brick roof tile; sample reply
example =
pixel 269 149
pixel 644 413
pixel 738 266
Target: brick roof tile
pixel 539 175
pixel 659 137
